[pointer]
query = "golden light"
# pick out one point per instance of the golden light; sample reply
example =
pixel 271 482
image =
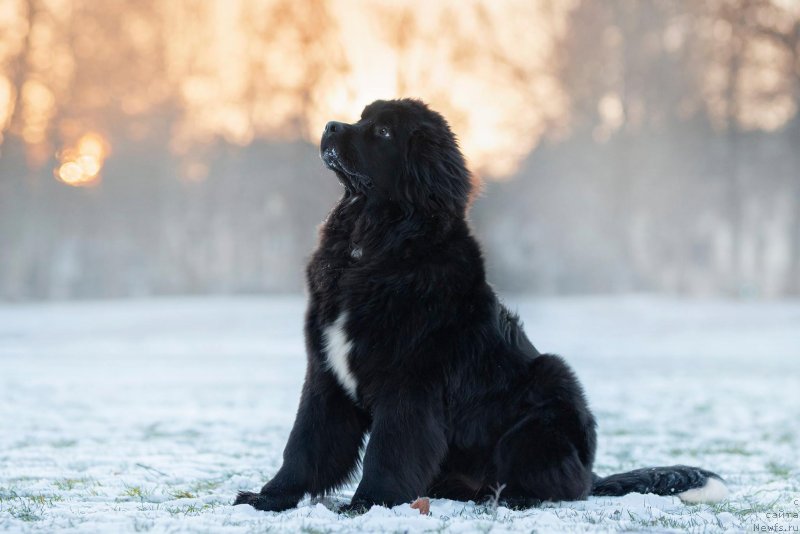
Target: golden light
pixel 6 103
pixel 487 107
pixel 89 164
pixel 38 107
pixel 80 166
pixel 287 78
pixel 71 173
pixel 240 70
pixel 93 145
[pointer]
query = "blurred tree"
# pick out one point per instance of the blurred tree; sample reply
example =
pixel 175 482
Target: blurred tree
pixel 780 24
pixel 669 159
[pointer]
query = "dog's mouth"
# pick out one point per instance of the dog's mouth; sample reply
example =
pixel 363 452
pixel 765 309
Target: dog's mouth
pixel 354 179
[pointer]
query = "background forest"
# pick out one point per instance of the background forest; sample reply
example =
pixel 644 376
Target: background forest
pixel 153 147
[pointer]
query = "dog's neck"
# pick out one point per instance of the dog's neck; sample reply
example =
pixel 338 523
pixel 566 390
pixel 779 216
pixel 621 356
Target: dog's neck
pixel 377 226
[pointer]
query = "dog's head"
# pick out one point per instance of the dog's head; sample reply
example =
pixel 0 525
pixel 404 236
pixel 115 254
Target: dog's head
pixel 400 151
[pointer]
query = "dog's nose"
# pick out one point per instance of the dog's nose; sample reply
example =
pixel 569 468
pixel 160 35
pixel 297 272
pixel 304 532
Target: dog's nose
pixel 334 127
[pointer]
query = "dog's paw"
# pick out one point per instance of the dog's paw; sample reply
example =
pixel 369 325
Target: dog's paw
pixel 514 503
pixel 267 503
pixel 356 507
pixel 244 497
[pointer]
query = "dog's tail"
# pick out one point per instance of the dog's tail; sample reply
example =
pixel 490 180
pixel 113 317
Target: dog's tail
pixel 691 484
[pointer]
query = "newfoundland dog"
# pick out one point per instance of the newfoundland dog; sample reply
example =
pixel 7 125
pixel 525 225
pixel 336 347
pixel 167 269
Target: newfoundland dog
pixel 407 342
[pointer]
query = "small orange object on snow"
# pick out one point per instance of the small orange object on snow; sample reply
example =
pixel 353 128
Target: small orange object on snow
pixel 423 504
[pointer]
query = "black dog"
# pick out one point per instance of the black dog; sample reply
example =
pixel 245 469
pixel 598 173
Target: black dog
pixel 407 341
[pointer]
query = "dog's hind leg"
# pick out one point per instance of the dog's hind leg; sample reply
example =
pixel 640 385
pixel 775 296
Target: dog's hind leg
pixel 548 454
pixel 535 461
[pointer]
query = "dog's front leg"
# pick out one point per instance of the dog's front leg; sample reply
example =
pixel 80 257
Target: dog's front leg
pixel 406 447
pixel 323 446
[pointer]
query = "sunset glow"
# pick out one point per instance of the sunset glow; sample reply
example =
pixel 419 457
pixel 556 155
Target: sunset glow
pixel 237 71
pixel 80 166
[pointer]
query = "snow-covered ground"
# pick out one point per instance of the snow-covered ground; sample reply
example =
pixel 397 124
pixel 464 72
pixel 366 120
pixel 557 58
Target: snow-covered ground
pixel 150 415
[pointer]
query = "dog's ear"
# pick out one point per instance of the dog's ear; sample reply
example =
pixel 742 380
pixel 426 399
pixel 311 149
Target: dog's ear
pixel 438 178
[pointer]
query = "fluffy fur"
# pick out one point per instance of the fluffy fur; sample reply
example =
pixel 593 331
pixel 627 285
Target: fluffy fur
pixel 423 356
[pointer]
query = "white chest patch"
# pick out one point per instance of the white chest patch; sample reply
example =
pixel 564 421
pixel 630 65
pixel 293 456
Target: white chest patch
pixel 337 349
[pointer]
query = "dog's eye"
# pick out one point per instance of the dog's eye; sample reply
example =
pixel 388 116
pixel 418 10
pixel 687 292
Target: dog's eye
pixel 383 131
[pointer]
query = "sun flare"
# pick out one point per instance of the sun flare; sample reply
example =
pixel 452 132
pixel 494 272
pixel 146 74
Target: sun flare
pixel 80 165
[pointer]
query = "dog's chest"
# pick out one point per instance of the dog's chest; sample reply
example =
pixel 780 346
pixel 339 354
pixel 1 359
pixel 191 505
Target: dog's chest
pixel 337 346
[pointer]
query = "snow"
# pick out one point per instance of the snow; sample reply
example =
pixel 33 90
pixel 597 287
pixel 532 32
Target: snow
pixel 149 415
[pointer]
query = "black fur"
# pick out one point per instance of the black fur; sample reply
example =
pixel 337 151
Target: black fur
pixel 658 480
pixel 455 397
